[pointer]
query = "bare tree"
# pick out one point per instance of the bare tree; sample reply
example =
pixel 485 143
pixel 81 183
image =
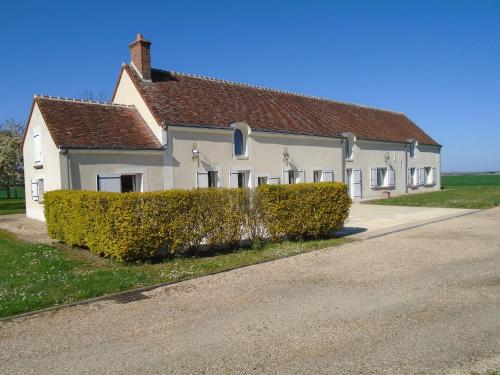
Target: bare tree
pixel 11 155
pixel 90 95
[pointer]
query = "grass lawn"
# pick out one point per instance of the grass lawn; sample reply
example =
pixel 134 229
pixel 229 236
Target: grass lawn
pixel 463 191
pixel 12 206
pixel 37 276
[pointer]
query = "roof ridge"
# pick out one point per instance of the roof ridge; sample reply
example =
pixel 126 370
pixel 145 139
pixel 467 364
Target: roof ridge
pixel 276 90
pixel 75 100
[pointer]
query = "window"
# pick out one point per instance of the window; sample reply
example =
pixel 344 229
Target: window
pixel 118 183
pixel 37 144
pixel 317 176
pixel 412 149
pixel 37 190
pixel 239 144
pixel 213 178
pixel 290 177
pixel 382 177
pixel 413 179
pixel 239 179
pixel 347 148
pixel 261 181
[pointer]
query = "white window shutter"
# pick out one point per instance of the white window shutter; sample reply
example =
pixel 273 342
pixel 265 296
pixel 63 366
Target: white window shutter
pixel 273 181
pixel 373 177
pixel 409 177
pixel 285 177
pixel 422 175
pixel 357 182
pixel 202 179
pixel 233 179
pixel 327 176
pixel 110 183
pixel 34 190
pixel 434 175
pixel 37 141
pixel 301 177
pixel 392 177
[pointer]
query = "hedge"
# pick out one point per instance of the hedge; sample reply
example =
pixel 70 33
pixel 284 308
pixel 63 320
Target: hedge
pixel 138 226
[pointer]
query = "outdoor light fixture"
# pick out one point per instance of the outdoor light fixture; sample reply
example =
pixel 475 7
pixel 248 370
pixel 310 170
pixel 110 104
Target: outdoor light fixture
pixel 286 155
pixel 196 153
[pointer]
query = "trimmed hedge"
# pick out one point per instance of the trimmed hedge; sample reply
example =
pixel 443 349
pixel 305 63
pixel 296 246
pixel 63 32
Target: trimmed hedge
pixel 134 226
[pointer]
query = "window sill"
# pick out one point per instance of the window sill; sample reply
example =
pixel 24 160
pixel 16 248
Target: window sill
pixel 240 157
pixel 38 166
pixel 349 159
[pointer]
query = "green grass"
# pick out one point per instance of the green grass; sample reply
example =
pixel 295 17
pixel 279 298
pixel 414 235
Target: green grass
pixel 12 206
pixel 461 191
pixel 37 276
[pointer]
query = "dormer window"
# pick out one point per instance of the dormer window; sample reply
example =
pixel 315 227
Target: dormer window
pixel 413 145
pixel 347 149
pixel 347 144
pixel 239 143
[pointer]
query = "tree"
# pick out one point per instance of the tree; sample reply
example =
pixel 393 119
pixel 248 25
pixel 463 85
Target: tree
pixel 11 155
pixel 90 95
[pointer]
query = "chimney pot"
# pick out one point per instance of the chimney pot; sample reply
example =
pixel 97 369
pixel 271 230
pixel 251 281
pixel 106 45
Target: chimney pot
pixel 140 56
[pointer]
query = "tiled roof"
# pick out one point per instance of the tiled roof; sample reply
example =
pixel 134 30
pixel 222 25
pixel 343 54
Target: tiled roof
pixel 82 124
pixel 181 99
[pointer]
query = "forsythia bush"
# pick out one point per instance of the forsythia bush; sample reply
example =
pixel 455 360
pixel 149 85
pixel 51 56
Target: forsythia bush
pixel 133 226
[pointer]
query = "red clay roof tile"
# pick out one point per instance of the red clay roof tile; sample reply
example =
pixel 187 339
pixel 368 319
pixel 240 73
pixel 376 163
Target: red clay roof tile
pixel 179 99
pixel 90 125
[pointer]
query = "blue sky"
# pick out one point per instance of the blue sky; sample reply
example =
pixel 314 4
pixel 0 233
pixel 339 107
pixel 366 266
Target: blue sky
pixel 437 61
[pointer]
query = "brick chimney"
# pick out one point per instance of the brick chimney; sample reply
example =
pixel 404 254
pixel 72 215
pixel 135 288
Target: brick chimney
pixel 140 55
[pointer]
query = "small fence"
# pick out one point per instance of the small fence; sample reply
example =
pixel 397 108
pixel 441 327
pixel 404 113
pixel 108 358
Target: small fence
pixel 15 193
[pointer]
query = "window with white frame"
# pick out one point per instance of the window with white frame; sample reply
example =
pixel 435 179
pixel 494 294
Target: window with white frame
pixel 317 176
pixel 37 190
pixel 262 180
pixel 382 177
pixel 239 179
pixel 293 176
pixel 207 179
pixel 119 183
pixel 347 148
pixel 37 145
pixel 239 143
pixel 413 146
pixel 413 176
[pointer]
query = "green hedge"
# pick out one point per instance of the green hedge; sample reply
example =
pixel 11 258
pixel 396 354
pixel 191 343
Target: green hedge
pixel 133 226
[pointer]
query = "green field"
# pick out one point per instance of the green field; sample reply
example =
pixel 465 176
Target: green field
pixel 12 206
pixel 36 276
pixel 460 191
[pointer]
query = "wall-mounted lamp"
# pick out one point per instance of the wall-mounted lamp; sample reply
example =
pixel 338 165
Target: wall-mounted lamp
pixel 196 153
pixel 286 155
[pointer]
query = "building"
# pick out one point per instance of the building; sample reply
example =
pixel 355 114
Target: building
pixel 165 130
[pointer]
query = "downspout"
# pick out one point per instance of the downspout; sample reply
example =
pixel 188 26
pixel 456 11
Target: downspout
pixel 406 168
pixel 342 157
pixel 65 152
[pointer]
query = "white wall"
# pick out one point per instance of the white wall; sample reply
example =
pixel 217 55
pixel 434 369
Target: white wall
pixel 265 155
pixel 50 171
pixel 85 165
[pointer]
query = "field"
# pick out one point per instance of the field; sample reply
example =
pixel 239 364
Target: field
pixel 459 191
pixel 35 276
pixel 15 205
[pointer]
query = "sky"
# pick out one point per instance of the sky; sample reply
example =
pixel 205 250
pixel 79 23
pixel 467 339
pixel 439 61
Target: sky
pixel 436 61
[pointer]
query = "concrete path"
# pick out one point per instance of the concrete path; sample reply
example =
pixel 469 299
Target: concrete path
pixel 425 300
pixel 369 220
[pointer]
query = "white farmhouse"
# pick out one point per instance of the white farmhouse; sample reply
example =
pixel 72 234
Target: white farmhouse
pixel 166 130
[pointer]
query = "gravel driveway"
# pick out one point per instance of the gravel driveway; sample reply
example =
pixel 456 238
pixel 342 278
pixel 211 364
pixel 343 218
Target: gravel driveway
pixel 422 300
